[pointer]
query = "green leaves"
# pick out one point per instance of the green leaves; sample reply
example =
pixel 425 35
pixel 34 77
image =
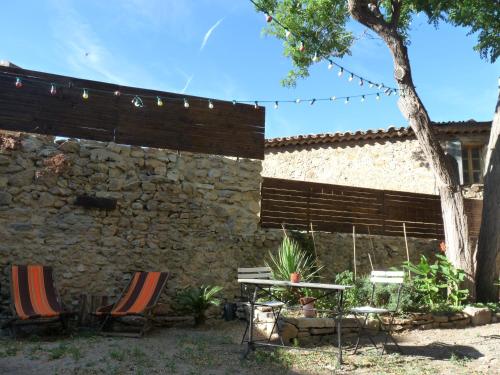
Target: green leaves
pixel 197 300
pixel 438 284
pixel 291 258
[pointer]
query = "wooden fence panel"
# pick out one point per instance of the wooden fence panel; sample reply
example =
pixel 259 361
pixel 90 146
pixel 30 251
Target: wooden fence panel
pixel 227 129
pixel 336 208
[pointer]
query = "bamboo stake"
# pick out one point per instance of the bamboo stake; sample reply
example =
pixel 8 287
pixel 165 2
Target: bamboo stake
pixel 354 249
pixel 370 259
pixel 314 241
pixel 373 246
pixel 407 251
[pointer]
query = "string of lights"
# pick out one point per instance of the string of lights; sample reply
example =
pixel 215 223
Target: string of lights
pixel 139 100
pixel 331 64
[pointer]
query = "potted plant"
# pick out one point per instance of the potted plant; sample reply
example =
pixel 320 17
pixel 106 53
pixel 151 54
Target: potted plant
pixel 308 307
pixel 295 277
pixel 196 301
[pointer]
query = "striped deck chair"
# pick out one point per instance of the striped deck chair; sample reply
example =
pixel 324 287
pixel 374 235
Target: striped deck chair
pixel 34 298
pixel 138 299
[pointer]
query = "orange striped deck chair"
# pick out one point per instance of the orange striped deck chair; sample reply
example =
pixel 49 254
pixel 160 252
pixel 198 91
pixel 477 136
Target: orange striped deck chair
pixel 138 299
pixel 34 298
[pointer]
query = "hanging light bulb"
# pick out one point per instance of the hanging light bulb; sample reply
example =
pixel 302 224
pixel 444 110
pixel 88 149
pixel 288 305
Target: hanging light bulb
pixel 387 91
pixel 19 83
pixel 276 105
pixel 312 102
pixel 297 101
pixel 85 94
pixel 53 89
pixel 351 77
pixel 380 86
pixel 117 93
pixel 341 71
pixel 159 101
pixel 315 57
pixel 210 104
pixel 288 34
pixel 333 98
pixel 256 104
pixel 330 64
pixel 269 18
pixel 346 100
pixel 378 96
pixel 186 103
pixel 302 47
pixel 137 102
pixel 371 84
pixel 361 82
pixel 234 102
pixel 362 98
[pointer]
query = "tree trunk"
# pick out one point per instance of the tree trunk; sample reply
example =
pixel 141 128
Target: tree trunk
pixel 452 202
pixel 489 234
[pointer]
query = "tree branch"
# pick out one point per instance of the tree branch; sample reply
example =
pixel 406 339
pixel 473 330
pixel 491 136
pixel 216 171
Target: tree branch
pixel 396 12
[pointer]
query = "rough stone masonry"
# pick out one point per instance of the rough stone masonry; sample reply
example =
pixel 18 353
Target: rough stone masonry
pixel 194 215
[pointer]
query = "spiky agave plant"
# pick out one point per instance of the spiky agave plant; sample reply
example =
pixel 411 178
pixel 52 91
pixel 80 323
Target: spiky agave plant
pixel 291 258
pixel 197 300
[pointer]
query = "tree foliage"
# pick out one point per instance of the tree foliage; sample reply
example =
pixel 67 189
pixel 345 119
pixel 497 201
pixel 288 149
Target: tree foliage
pixel 322 26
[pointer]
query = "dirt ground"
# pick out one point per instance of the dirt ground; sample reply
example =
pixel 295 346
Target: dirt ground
pixel 216 350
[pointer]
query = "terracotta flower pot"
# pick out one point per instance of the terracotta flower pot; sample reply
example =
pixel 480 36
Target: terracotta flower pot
pixel 308 307
pixel 295 277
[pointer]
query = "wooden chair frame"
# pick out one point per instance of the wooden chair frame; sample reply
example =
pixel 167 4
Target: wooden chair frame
pixel 16 321
pixel 147 314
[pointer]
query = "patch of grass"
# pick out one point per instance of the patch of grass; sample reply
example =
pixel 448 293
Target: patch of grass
pixel 117 355
pixel 170 365
pixel 459 360
pixel 33 352
pixel 10 349
pixel 75 353
pixel 58 351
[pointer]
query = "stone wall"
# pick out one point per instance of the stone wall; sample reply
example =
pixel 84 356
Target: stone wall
pixel 390 164
pixel 387 164
pixel 192 214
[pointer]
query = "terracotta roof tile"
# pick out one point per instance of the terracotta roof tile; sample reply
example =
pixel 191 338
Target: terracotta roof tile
pixel 450 127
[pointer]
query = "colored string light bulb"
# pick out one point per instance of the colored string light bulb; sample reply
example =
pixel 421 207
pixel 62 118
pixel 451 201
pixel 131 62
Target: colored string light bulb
pixel 53 89
pixel 210 104
pixel 341 72
pixel 85 94
pixel 19 83
pixel 186 103
pixel 159 101
pixel 269 18
pixel 351 77
pixel 302 47
pixel 330 64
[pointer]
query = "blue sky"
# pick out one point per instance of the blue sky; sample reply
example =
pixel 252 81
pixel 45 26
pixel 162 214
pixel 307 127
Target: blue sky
pixel 167 45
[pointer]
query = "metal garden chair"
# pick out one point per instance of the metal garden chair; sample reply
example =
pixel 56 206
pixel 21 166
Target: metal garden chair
pixel 379 277
pixel 264 273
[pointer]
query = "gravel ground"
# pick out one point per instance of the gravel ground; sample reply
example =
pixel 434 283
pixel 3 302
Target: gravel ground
pixel 215 349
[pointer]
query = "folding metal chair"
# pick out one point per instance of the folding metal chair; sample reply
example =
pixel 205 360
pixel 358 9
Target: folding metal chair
pixel 379 277
pixel 264 273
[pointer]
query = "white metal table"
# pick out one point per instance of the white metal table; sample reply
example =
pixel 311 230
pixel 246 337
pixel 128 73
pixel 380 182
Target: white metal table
pixel 262 284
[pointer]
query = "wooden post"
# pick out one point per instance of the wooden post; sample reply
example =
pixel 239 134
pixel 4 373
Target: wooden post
pixel 407 251
pixel 354 249
pixel 373 246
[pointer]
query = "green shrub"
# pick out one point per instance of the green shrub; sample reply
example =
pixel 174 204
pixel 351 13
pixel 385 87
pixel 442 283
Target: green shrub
pixel 291 258
pixel 437 286
pixel 197 300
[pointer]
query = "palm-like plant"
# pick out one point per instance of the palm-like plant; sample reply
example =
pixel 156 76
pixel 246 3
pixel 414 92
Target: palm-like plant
pixel 197 300
pixel 290 259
